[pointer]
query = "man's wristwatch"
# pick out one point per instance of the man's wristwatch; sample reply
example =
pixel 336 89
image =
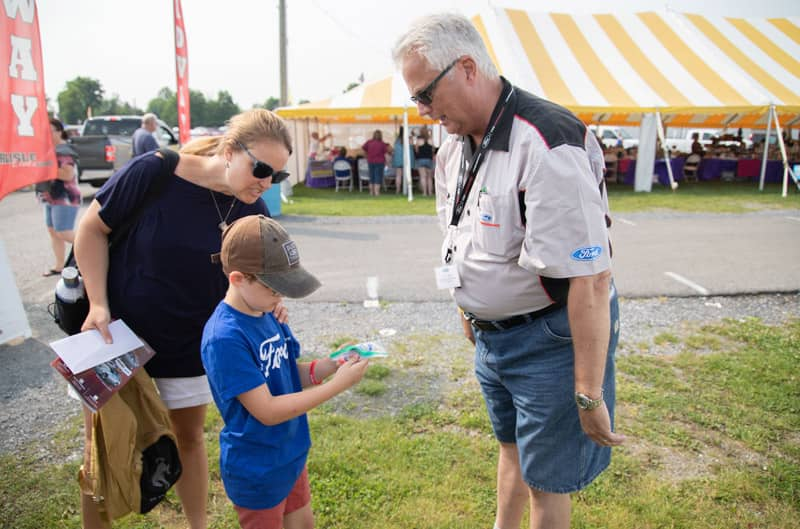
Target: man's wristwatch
pixel 587 403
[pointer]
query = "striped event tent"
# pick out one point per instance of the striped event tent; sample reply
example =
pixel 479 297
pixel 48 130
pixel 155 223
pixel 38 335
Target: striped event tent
pixel 616 69
pixel 697 71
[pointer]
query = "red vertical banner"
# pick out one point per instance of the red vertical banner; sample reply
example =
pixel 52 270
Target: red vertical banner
pixel 26 145
pixel 182 74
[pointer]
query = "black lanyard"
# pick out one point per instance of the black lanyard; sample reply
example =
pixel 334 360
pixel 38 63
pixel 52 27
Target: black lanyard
pixel 464 186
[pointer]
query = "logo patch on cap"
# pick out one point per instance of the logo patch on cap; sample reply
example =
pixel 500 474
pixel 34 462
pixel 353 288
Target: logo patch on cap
pixel 292 255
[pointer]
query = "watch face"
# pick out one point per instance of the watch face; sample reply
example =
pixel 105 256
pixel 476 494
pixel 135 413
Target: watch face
pixel 586 403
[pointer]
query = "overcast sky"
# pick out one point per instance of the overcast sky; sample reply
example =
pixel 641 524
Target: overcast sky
pixel 233 45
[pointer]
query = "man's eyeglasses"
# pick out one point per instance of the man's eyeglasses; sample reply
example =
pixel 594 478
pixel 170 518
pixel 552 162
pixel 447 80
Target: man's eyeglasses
pixel 425 96
pixel 262 170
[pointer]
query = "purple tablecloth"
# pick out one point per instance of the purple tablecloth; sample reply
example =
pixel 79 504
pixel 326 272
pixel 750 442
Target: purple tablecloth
pixel 660 169
pixel 712 168
pixel 320 174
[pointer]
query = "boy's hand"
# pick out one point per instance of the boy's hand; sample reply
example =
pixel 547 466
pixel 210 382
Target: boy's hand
pixel 350 373
pixel 281 313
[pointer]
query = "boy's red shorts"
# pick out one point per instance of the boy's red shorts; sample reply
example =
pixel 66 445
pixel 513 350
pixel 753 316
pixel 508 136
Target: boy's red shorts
pixel 272 518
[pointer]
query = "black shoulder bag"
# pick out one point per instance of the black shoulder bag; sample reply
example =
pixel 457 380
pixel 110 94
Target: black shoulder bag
pixel 70 316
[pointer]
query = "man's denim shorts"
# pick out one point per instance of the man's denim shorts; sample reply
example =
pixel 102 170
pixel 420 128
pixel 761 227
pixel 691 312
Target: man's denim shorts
pixel 527 378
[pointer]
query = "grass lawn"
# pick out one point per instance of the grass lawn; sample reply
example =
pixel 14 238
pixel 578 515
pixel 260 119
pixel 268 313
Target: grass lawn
pixel 712 443
pixel 716 197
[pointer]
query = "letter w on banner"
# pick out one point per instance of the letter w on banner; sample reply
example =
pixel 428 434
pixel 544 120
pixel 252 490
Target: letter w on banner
pixel 26 145
pixel 182 74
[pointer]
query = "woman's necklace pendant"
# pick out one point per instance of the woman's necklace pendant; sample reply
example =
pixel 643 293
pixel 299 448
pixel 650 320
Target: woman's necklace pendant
pixel 222 225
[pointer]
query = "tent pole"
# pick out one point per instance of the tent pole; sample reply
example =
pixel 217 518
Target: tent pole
pixel 406 156
pixel 660 129
pixel 766 149
pixel 784 158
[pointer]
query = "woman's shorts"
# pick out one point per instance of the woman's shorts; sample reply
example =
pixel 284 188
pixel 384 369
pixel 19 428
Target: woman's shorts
pixel 60 217
pixel 272 518
pixel 376 173
pixel 184 392
pixel 425 162
pixel 176 393
pixel 527 378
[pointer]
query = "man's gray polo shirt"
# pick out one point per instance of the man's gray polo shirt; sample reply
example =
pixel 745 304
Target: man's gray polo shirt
pixel 535 215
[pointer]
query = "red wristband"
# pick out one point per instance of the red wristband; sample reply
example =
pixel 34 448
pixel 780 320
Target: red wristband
pixel 311 373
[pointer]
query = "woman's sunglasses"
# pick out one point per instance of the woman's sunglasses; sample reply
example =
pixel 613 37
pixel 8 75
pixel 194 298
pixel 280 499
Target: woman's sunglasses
pixel 263 170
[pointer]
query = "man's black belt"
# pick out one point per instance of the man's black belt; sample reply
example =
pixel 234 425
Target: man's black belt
pixel 509 323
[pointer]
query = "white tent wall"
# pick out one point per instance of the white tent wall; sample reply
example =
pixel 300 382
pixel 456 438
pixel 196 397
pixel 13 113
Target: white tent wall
pixel 646 155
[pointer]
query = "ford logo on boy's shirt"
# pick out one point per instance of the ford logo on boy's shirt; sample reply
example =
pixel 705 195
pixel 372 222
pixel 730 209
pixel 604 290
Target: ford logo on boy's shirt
pixel 587 253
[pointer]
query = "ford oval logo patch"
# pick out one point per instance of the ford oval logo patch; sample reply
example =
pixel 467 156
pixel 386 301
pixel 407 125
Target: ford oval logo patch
pixel 587 253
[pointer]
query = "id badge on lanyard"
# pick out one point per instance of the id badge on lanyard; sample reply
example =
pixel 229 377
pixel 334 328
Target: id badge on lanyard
pixel 447 275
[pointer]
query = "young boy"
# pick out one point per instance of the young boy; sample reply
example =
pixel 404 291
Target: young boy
pixel 257 384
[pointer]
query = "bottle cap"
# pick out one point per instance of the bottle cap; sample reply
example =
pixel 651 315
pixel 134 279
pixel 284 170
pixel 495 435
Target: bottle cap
pixel 70 276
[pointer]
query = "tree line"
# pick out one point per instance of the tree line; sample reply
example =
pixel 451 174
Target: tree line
pixel 84 96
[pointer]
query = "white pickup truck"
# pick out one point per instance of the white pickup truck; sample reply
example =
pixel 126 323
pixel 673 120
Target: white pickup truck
pixel 614 137
pixel 684 144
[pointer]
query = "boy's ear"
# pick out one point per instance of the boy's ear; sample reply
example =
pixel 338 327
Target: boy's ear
pixel 236 278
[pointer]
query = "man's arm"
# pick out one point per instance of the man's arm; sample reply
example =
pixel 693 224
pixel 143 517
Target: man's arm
pixel 589 321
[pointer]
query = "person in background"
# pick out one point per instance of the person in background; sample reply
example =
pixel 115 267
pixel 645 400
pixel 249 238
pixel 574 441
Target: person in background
pixel 697 147
pixel 376 150
pixel 316 145
pixel 341 154
pixel 526 253
pixel 61 198
pixel 262 392
pixel 425 164
pixel 143 140
pixel 397 159
pixel 160 279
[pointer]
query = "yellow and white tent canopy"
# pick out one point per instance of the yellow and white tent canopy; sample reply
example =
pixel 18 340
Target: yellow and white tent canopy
pixel 382 101
pixel 695 70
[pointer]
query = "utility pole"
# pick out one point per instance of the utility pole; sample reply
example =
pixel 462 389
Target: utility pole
pixel 282 37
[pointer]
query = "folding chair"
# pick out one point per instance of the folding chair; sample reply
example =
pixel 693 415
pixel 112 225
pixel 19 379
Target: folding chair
pixel 343 174
pixel 690 167
pixel 363 174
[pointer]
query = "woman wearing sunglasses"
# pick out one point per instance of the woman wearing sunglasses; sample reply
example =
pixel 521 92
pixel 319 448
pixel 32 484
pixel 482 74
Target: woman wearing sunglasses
pixel 160 278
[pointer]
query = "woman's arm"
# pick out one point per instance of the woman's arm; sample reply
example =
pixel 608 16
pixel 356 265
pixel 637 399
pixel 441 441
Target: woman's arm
pixel 66 172
pixel 91 253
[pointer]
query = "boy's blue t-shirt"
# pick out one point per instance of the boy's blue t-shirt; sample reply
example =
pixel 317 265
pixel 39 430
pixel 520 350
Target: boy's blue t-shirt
pixel 259 464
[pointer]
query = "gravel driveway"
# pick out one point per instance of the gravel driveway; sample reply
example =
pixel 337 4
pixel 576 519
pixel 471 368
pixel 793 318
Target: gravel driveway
pixel 428 353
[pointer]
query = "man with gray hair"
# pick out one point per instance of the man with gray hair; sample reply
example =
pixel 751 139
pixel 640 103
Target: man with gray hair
pixel 526 256
pixel 143 140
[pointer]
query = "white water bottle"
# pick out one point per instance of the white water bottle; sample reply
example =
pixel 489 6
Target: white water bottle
pixel 70 287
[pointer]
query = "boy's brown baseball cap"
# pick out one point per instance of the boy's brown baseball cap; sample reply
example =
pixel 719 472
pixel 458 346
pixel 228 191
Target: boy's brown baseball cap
pixel 260 246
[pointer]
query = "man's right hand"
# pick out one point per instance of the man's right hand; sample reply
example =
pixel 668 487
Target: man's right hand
pixel 469 334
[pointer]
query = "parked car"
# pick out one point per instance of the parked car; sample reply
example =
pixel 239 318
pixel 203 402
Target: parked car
pixel 105 145
pixel 683 143
pixel 73 130
pixel 614 137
